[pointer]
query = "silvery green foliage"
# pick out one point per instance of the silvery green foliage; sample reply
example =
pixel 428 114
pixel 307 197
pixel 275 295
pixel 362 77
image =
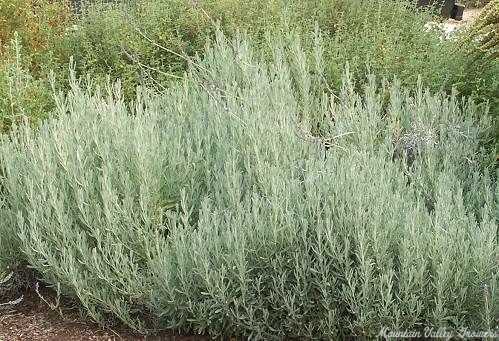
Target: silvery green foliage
pixel 272 234
pixel 85 193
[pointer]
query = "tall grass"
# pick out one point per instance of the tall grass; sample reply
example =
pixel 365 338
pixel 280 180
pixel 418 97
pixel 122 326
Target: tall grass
pixel 213 208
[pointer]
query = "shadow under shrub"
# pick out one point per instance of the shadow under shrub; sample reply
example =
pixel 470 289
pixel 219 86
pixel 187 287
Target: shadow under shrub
pixel 272 235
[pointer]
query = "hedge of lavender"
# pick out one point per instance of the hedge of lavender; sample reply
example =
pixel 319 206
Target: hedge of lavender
pixel 249 200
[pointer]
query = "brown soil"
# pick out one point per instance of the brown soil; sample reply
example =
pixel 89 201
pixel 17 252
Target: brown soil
pixel 33 319
pixel 469 16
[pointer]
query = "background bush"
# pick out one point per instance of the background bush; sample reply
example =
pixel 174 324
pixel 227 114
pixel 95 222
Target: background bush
pixel 485 31
pixel 364 33
pixel 393 226
pixel 37 22
pixel 27 30
pixel 24 97
pixel 124 39
pixel 482 44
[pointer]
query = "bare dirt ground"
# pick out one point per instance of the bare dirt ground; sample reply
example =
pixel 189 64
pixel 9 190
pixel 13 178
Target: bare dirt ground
pixel 468 17
pixel 33 319
pixel 448 27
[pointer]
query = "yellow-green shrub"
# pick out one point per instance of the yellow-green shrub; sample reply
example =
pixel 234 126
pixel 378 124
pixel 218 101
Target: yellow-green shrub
pixel 22 96
pixel 36 21
pixel 485 31
pixel 24 83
